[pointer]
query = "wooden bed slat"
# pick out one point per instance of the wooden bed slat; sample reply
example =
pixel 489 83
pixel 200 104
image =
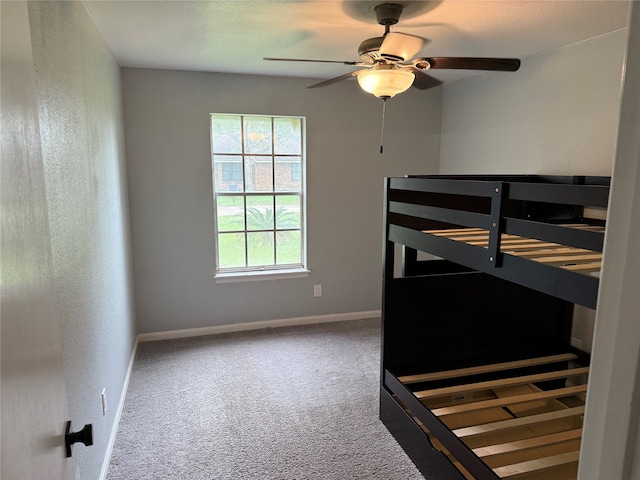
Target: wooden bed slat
pixel 530 246
pixel 506 242
pixel 455 235
pixel 518 422
pixel 505 401
pixel 551 251
pixel 538 465
pixel 588 267
pixel 496 367
pixel 570 258
pixel 480 237
pixel 532 249
pixel 529 443
pixel 455 230
pixel 503 382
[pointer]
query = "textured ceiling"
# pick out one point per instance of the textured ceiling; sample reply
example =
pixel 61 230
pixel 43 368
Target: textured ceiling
pixel 233 36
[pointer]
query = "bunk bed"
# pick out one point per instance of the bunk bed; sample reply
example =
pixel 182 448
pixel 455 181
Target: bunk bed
pixel 481 274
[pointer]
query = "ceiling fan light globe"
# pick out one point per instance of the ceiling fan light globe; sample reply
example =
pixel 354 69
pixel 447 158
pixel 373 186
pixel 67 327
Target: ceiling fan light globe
pixel 385 83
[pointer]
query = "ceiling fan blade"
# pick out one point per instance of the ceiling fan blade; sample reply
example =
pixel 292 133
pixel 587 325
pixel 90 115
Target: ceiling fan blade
pixel 472 63
pixel 400 46
pixel 424 81
pixel 335 79
pixel 308 60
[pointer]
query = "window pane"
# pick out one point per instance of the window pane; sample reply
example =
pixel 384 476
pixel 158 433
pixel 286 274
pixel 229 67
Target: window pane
pixel 288 173
pixel 226 134
pixel 260 248
pixel 257 135
pixel 260 212
pixel 253 157
pixel 287 211
pixel 288 249
pixel 231 172
pixel 231 250
pixel 227 173
pixel 259 174
pixel 288 136
pixel 230 213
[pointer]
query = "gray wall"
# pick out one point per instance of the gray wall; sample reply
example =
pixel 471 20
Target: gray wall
pixel 82 141
pixel 170 188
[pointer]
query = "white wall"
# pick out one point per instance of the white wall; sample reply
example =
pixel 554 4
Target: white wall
pixel 557 115
pixel 33 404
pixel 611 448
pixel 82 141
pixel 168 156
pixel 560 115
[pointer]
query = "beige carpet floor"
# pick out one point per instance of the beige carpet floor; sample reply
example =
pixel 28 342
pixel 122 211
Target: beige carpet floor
pixel 275 404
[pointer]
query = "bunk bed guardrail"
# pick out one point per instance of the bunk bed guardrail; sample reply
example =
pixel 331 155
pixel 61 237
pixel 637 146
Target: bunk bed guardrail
pixel 498 211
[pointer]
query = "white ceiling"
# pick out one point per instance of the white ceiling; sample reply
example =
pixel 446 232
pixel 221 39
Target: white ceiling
pixel 233 35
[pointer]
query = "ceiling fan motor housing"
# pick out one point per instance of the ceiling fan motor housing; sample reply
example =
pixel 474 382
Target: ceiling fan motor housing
pixel 388 13
pixel 369 49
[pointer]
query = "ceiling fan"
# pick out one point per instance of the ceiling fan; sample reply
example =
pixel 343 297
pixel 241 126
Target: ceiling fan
pixel 387 63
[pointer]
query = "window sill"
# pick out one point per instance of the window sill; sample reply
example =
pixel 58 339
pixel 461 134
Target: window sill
pixel 262 275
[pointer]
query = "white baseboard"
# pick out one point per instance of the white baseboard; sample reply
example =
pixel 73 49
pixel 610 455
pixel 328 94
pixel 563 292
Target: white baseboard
pixel 241 327
pixel 116 419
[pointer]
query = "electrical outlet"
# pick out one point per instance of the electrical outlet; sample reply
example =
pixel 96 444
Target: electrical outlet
pixel 576 343
pixel 317 290
pixel 104 401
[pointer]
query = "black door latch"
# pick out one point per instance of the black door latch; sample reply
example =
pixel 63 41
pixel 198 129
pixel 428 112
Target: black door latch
pixel 85 436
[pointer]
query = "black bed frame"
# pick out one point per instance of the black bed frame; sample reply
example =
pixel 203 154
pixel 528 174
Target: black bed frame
pixel 476 305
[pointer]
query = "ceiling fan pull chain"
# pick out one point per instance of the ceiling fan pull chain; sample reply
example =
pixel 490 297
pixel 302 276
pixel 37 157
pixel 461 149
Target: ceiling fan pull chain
pixel 384 104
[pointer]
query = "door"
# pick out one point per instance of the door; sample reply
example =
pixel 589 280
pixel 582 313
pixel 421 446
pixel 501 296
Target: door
pixel 34 407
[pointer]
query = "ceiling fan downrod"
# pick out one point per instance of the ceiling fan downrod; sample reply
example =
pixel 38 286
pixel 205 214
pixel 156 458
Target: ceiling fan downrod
pixel 388 14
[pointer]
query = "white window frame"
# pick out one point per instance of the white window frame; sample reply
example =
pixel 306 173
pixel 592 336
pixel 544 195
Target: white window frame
pixel 269 272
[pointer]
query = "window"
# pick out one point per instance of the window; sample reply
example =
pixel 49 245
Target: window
pixel 258 185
